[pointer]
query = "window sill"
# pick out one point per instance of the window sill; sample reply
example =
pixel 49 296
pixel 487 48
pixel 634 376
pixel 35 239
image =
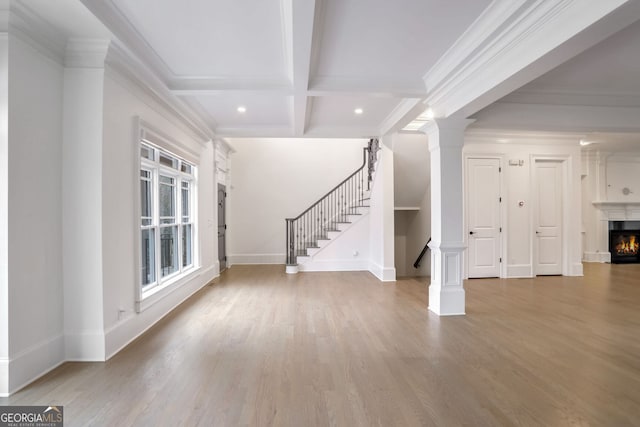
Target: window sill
pixel 156 294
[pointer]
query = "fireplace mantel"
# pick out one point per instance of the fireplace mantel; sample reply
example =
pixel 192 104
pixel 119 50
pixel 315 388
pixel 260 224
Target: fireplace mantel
pixel 619 211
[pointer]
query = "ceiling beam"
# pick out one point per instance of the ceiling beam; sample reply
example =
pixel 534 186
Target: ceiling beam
pixel 404 113
pixel 113 18
pixel 300 33
pixel 514 42
pixel 568 118
pixel 357 86
pixel 193 86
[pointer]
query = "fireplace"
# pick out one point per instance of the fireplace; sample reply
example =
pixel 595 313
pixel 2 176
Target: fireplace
pixel 624 246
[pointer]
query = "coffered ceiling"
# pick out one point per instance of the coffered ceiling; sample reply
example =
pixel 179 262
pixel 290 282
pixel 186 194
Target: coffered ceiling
pixel 361 68
pixel 298 67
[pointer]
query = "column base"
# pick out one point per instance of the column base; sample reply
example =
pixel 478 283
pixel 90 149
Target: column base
pixel 446 302
pixel 292 269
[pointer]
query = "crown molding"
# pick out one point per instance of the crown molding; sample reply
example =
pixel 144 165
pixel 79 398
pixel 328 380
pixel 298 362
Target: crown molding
pixel 86 53
pixel 22 22
pixel 193 85
pixel 502 136
pixel 569 97
pixel 255 132
pixel 120 60
pixel 558 118
pixel 401 115
pixel 222 143
pixel 370 87
pixel 116 21
pixel 513 42
pixel 195 106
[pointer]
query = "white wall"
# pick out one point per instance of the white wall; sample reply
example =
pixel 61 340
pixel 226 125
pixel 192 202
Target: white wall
pixel 35 215
pixel 411 168
pixel 274 179
pixel 4 214
pixel 517 181
pixel 418 232
pixel 122 104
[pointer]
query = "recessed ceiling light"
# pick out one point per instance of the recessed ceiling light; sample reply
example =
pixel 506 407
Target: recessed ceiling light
pixel 358 111
pixel 242 109
pixel 429 114
pixel 584 143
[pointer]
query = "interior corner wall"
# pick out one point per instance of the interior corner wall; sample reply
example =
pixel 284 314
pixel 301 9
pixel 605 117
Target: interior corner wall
pixel 382 218
pixel 4 214
pixel 35 287
pixel 277 178
pixel 418 233
pixel 519 219
pixel 123 103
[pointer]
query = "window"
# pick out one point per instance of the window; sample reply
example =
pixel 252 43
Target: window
pixel 167 187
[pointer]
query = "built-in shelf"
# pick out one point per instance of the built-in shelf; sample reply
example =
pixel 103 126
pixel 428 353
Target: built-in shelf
pixel 407 208
pixel 619 211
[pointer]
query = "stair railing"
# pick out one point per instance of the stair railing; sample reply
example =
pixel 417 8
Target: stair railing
pixel 424 251
pixel 323 216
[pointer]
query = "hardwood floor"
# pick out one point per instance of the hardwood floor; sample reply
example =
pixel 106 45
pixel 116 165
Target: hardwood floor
pixel 265 348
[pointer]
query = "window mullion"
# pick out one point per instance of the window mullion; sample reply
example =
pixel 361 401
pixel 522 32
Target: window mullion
pixel 178 213
pixel 156 222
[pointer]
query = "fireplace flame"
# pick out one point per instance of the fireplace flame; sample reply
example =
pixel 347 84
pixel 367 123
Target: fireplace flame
pixel 627 246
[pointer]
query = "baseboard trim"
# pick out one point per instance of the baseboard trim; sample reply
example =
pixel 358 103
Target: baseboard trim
pixel 4 377
pixel 519 271
pixel 31 364
pixel 602 257
pixel 119 336
pixel 334 265
pixel 257 259
pixel 577 269
pixel 382 273
pixel 84 346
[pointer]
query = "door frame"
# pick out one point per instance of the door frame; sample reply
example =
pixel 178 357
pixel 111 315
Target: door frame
pixel 503 212
pixel 565 168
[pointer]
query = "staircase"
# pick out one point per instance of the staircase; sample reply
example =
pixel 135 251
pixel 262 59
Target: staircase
pixel 330 216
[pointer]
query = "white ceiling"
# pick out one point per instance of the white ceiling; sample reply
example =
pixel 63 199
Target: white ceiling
pixel 218 39
pixel 301 67
pixel 611 68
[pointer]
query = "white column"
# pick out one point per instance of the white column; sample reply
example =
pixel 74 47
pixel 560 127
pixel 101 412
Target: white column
pixel 446 292
pixel 82 158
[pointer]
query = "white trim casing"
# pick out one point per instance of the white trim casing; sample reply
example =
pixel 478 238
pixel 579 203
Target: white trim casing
pixel 570 267
pixel 32 363
pixel 151 136
pixel 503 210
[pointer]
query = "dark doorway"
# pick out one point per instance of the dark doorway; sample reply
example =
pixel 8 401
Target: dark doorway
pixel 222 226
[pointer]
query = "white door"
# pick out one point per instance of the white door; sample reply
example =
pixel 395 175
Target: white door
pixel 548 217
pixel 483 217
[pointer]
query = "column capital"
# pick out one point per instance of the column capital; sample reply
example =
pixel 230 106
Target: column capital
pixel 446 132
pixel 86 53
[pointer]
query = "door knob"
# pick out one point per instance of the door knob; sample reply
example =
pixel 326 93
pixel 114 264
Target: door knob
pixel 537 232
pixel 471 232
